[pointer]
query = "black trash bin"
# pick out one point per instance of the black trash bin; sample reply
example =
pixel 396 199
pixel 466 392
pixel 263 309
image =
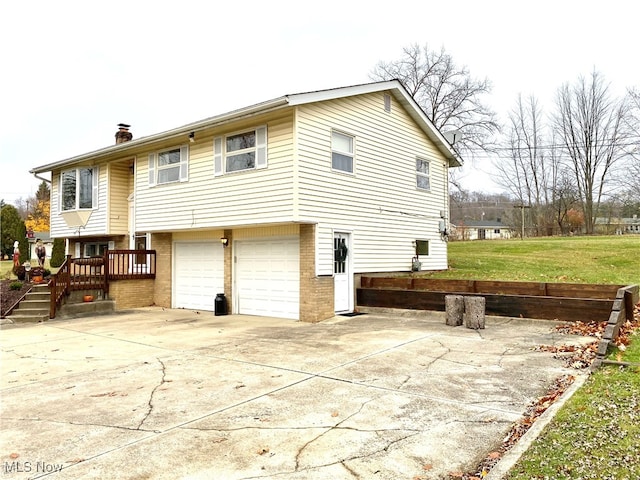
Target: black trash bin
pixel 220 304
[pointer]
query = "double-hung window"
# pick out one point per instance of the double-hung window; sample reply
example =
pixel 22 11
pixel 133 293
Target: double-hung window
pixel 422 174
pixel 342 152
pixel 79 188
pixel 95 249
pixel 169 166
pixel 240 151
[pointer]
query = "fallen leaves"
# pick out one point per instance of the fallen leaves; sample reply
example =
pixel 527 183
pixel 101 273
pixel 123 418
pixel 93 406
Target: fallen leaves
pixel 596 329
pixel 583 356
pixel 521 427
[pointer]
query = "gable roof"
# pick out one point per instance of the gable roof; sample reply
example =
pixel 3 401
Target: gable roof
pixel 393 86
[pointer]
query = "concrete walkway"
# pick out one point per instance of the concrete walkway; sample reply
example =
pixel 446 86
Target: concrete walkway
pixel 167 394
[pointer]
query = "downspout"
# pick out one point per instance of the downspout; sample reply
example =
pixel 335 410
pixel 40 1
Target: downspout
pixel 46 180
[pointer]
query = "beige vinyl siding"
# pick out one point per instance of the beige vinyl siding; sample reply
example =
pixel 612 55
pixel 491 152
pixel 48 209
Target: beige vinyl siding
pixel 97 223
pixel 119 178
pixel 379 202
pixel 239 198
pixel 200 236
pixel 264 232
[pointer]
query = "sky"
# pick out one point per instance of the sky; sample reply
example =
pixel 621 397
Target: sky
pixel 73 70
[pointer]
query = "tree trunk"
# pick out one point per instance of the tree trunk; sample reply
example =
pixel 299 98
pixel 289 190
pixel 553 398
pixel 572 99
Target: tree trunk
pixel 454 306
pixel 474 312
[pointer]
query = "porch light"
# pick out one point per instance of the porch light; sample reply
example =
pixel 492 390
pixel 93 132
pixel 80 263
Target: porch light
pixel 192 137
pixel 224 241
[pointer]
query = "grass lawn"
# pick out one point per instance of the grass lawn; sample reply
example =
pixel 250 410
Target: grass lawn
pixel 596 435
pixel 6 267
pixel 601 260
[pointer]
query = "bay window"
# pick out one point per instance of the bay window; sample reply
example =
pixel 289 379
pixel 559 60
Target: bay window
pixel 78 188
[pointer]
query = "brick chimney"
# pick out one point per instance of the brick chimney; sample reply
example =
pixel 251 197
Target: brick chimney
pixel 123 134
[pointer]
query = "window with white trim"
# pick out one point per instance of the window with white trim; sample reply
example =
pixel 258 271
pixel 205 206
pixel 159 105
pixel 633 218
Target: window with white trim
pixel 342 152
pixel 79 189
pixel 422 174
pixel 169 166
pixel 240 151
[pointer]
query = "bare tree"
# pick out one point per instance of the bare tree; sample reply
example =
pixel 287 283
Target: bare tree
pixel 529 170
pixel 593 130
pixel 632 179
pixel 447 94
pixel 522 174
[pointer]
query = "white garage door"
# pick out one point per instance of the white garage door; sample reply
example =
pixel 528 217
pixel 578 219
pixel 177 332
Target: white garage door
pixel 198 274
pixel 267 274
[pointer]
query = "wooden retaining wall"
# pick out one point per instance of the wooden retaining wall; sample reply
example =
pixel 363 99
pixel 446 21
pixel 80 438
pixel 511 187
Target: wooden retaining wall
pixel 551 301
pixel 622 310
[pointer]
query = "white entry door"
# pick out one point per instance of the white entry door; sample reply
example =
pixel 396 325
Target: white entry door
pixel 342 275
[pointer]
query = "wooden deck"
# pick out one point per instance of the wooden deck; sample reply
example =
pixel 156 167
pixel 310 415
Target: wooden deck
pixel 96 273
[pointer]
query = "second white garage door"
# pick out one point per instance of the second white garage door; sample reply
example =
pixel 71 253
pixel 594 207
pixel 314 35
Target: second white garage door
pixel 267 274
pixel 198 275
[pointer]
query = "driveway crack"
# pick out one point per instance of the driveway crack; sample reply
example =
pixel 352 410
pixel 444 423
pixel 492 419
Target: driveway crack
pixel 153 392
pixel 433 360
pixel 82 424
pixel 334 427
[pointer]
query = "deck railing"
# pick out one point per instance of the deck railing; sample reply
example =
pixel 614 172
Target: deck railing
pixel 59 286
pixel 87 274
pixel 95 273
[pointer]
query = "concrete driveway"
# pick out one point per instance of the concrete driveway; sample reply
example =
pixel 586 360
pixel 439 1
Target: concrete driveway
pixel 166 394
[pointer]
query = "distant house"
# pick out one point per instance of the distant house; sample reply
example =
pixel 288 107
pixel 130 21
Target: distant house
pixel 280 205
pixel 480 230
pixel 617 225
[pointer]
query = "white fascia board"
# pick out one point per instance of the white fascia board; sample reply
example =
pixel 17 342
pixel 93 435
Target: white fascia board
pixel 400 94
pixel 341 92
